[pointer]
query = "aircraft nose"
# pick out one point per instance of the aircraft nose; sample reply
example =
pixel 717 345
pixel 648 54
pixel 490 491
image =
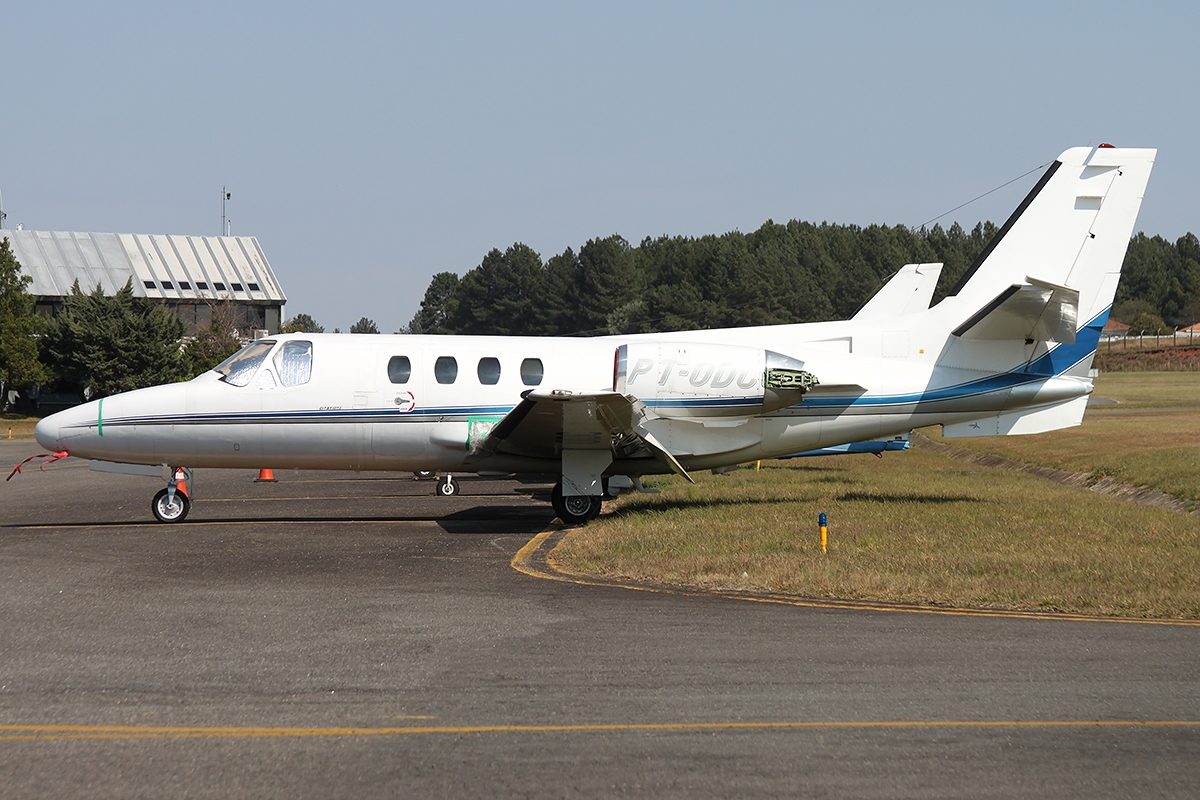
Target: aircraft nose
pixel 47 433
pixel 60 431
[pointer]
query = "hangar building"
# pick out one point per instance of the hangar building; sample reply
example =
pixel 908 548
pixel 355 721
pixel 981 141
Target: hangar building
pixel 187 274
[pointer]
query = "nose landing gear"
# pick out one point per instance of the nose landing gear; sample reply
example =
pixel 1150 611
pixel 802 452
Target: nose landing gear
pixel 172 504
pixel 169 507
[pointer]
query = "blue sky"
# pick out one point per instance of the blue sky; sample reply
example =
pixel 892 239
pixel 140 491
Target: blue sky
pixel 369 146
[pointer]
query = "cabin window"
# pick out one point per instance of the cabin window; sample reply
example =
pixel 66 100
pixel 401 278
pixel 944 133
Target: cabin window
pixel 445 369
pixel 240 367
pixel 294 363
pixel 489 371
pixel 399 369
pixel 531 371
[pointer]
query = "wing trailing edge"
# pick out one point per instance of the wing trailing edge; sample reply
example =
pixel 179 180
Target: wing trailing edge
pixel 554 424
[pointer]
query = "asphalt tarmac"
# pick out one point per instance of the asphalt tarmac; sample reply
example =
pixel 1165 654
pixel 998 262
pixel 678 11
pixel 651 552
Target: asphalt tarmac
pixel 342 635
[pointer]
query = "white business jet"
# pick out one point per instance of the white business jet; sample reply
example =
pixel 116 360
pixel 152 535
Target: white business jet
pixel 1007 352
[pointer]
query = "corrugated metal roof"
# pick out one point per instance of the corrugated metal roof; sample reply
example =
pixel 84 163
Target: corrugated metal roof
pixel 165 267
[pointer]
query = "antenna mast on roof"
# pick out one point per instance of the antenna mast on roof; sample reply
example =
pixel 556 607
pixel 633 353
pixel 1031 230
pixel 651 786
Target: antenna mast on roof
pixel 224 224
pixel 2 214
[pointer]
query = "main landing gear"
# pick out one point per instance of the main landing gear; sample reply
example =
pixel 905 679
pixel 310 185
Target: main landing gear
pixel 574 509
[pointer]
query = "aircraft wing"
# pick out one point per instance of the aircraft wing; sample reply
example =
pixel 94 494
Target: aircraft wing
pixel 1035 310
pixel 546 423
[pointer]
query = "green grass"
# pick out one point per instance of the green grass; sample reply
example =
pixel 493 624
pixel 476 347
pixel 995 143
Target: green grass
pixel 922 527
pixel 1143 448
pixel 1150 389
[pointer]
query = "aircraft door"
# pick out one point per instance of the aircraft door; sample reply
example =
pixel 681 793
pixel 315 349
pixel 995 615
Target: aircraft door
pixel 397 430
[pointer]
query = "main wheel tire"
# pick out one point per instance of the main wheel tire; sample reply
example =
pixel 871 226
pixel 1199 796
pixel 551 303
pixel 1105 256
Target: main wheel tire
pixel 576 509
pixel 171 509
pixel 423 474
pixel 447 487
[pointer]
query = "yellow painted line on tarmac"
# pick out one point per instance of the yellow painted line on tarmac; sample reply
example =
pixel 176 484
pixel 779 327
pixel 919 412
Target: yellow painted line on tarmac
pixel 15 732
pixel 525 562
pixel 521 562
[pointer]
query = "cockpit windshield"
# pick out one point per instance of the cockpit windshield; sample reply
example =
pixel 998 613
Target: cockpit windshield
pixel 240 367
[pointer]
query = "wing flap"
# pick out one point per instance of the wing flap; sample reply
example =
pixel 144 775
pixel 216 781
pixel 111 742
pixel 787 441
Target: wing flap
pixel 545 423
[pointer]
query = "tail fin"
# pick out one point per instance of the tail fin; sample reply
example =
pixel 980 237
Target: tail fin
pixel 1051 273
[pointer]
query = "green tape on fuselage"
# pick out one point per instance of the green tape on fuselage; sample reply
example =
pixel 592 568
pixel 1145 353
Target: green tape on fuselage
pixel 100 417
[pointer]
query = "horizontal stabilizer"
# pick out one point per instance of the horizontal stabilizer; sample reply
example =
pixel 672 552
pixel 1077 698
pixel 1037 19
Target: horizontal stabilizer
pixel 1033 311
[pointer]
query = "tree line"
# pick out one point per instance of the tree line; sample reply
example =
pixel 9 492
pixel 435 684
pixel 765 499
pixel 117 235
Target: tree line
pixel 780 273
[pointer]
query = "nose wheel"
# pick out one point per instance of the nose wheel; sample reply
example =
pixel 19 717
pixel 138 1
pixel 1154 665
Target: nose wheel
pixel 171 506
pixel 446 487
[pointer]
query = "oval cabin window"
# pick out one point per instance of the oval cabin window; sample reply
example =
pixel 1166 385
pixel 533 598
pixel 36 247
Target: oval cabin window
pixel 489 371
pixel 445 369
pixel 531 371
pixel 399 369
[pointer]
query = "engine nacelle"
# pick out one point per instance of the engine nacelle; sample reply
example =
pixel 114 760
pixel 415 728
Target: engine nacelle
pixel 709 380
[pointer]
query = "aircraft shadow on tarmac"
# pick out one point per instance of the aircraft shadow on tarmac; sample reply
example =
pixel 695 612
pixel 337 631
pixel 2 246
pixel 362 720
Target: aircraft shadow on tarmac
pixel 497 519
pixel 477 520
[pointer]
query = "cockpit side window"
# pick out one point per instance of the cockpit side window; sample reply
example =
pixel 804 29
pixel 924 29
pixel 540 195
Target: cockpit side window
pixel 239 368
pixel 294 363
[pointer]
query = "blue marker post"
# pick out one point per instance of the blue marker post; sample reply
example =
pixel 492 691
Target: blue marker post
pixel 824 523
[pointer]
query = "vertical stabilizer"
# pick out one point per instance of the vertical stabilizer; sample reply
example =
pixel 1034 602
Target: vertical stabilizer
pixel 1064 244
pixel 1071 230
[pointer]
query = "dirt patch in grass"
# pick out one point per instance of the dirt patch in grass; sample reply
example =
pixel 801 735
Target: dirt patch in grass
pixel 1167 359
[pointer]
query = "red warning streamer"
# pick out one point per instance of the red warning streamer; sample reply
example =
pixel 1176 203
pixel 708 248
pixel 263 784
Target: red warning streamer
pixel 50 459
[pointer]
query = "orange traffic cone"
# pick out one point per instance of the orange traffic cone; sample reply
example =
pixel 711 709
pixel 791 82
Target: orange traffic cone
pixel 181 484
pixel 265 476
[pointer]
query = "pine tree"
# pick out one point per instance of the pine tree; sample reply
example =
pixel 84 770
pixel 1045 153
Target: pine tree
pixel 19 364
pixel 113 344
